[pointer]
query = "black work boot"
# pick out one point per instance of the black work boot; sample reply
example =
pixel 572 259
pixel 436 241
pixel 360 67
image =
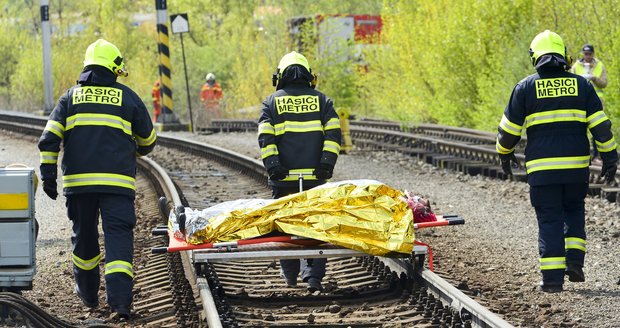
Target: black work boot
pixel 314 284
pixel 575 273
pixel 123 312
pixel 89 303
pixel 164 206
pixel 550 288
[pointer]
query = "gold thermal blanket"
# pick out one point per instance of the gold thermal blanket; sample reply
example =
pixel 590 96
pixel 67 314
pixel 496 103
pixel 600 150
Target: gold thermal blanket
pixel 364 215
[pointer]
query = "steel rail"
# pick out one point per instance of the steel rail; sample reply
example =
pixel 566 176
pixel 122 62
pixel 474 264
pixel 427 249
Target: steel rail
pixel 167 188
pixel 442 146
pixel 448 294
pixel 247 165
pixel 479 315
pixel 31 125
pixel 444 131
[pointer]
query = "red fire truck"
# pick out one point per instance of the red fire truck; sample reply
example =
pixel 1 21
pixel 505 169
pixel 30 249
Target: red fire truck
pixel 332 34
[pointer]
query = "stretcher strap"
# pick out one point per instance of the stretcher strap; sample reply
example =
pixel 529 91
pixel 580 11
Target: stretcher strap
pixel 430 254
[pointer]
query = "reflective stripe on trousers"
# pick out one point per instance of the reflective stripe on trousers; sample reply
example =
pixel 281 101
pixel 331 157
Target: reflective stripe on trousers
pixel 559 206
pixel 118 219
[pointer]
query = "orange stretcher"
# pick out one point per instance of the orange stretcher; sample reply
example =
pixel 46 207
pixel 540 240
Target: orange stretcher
pixel 285 241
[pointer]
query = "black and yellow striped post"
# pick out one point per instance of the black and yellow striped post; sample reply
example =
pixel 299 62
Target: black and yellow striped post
pixel 167 119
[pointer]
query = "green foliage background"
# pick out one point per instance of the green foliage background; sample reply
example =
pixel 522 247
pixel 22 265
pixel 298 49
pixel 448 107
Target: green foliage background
pixel 443 61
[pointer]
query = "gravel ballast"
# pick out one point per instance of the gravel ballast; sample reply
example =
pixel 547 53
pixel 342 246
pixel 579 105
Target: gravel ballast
pixel 495 254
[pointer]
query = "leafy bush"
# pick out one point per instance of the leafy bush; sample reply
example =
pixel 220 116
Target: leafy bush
pixel 441 61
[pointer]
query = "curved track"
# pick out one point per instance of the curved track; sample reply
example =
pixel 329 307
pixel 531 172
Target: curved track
pixel 363 292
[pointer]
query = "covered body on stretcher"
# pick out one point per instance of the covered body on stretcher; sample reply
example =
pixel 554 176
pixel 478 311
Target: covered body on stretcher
pixel 364 216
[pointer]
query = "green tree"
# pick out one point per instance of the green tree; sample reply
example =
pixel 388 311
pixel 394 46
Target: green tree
pixel 444 61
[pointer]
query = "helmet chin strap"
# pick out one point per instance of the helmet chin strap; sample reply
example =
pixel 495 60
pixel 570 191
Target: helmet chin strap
pixel 275 77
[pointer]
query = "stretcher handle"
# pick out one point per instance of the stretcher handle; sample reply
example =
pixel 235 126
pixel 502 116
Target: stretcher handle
pixel 159 250
pixel 448 220
pixel 179 210
pixel 160 231
pixel 300 176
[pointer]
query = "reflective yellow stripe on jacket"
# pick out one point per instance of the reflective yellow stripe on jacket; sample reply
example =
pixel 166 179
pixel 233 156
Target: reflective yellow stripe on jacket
pixel 501 149
pixel 295 126
pixel 596 119
pixel 119 267
pixel 333 123
pixel 331 146
pixel 112 121
pixel 49 157
pixel 268 150
pixel 557 163
pixel 55 128
pixel 266 128
pixel 554 116
pixel 606 146
pixel 146 141
pixel 510 127
pixel 98 179
pixel 552 263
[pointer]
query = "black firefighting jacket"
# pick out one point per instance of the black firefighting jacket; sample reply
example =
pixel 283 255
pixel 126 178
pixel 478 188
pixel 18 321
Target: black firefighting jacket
pixel 102 125
pixel 556 108
pixel 298 129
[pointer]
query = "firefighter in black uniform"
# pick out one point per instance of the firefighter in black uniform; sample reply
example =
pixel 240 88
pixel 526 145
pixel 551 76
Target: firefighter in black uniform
pixel 557 108
pixel 298 133
pixel 103 125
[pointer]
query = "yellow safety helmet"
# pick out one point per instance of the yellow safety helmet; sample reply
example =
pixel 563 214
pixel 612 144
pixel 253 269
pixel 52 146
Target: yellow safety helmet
pixel 292 58
pixel 104 53
pixel 547 42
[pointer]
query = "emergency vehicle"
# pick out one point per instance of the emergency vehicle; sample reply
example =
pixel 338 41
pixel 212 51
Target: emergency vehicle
pixel 332 33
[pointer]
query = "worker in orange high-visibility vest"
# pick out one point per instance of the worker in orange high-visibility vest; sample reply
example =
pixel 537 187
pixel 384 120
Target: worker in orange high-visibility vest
pixel 211 94
pixel 156 94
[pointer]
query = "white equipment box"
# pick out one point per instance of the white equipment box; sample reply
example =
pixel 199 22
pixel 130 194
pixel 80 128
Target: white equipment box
pixel 17 228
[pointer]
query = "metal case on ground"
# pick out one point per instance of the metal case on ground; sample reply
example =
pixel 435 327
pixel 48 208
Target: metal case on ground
pixel 17 228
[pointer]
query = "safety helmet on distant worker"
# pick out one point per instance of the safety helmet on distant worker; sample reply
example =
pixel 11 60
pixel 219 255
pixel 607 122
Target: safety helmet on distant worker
pixel 547 42
pixel 104 53
pixel 292 58
pixel 210 77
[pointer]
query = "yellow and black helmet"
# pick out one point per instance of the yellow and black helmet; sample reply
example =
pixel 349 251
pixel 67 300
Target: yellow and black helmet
pixel 547 42
pixel 104 53
pixel 291 58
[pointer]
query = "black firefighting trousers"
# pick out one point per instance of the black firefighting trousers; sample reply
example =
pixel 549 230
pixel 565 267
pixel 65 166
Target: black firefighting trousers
pixel 560 211
pixel 309 268
pixel 118 218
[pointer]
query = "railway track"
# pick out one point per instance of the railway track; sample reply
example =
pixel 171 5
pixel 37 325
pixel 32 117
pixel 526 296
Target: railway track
pixel 460 149
pixel 365 291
